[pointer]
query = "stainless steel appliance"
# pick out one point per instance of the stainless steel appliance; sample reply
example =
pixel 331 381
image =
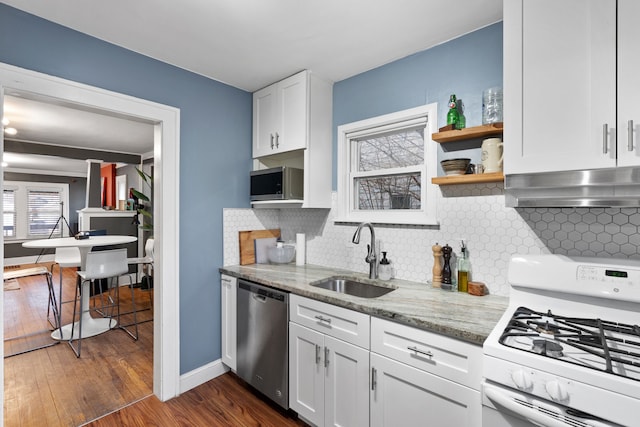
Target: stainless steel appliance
pixel 281 183
pixel 262 340
pixel 579 188
pixel 567 350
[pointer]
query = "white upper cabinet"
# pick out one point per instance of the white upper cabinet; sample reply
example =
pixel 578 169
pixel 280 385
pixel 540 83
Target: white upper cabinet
pixel 560 84
pixel 628 83
pixel 282 114
pixel 292 127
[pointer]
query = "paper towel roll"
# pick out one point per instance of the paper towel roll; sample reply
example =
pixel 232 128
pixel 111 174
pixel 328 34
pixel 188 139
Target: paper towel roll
pixel 301 249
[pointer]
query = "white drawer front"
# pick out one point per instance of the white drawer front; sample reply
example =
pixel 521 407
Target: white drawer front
pixel 342 323
pixel 447 357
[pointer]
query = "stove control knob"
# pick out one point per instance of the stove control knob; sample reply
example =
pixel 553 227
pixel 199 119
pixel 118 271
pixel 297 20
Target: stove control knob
pixel 522 379
pixel 557 391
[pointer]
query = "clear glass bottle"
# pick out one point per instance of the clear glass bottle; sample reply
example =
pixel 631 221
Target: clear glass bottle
pixel 462 120
pixel 464 270
pixel 384 269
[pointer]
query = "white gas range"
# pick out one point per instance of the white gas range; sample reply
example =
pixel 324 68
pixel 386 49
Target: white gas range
pixel 567 350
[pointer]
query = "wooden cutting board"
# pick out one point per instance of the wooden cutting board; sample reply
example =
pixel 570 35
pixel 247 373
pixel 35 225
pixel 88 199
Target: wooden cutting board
pixel 247 245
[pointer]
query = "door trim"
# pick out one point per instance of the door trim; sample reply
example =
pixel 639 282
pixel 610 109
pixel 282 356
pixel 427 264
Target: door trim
pixel 166 152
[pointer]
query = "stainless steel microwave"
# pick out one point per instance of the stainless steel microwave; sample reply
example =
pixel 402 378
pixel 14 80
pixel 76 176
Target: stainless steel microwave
pixel 281 183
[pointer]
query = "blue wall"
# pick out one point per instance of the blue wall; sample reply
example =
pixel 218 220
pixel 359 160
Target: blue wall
pixel 464 66
pixel 215 147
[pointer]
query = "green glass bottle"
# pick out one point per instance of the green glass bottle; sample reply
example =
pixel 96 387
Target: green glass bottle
pixel 462 120
pixel 452 115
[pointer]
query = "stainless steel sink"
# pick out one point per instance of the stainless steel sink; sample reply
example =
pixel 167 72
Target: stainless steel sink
pixel 345 285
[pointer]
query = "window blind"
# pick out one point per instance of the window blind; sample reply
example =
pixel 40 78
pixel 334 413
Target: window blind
pixel 9 213
pixel 43 209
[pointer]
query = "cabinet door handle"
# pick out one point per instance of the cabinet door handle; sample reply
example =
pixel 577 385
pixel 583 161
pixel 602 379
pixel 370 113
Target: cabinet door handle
pixel 326 357
pixel 317 354
pixel 605 134
pixel 630 135
pixel 277 140
pixel 271 140
pixel 418 351
pixel 374 378
pixel 324 319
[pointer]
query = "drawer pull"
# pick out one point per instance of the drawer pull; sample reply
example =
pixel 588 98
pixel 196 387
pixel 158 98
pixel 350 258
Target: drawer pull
pixel 418 351
pixel 324 319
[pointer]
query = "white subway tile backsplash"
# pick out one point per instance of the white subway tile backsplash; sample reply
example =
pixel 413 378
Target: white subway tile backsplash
pixel 475 213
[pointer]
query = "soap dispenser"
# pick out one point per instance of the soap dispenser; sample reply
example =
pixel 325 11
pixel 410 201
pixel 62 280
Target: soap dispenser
pixel 384 269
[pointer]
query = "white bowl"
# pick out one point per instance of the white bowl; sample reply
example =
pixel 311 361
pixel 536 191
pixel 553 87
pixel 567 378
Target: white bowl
pixel 282 255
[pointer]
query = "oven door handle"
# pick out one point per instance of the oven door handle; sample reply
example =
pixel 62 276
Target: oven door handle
pixel 531 415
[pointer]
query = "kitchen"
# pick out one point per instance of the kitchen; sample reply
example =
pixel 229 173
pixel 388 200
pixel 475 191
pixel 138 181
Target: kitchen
pixel 492 231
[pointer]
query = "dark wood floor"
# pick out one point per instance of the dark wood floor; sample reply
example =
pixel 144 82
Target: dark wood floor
pixel 51 387
pixel 223 401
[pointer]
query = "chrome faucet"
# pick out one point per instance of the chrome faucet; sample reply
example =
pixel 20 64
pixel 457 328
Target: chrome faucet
pixel 371 254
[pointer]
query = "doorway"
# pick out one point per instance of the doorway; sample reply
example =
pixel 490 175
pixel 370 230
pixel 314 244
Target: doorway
pixel 166 374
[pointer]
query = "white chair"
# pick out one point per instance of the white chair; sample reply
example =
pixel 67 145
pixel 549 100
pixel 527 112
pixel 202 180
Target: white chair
pixel 64 258
pixel 147 260
pixel 111 265
pixel 147 268
pixel 52 304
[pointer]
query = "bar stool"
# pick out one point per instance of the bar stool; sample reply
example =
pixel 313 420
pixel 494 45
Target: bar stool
pixel 147 267
pixel 111 265
pixel 52 304
pixel 64 258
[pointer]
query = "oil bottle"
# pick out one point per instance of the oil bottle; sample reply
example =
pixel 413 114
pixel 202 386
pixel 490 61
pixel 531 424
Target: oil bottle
pixel 464 269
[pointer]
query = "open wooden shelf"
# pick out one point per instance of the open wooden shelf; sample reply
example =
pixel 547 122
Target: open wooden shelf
pixel 468 179
pixel 493 129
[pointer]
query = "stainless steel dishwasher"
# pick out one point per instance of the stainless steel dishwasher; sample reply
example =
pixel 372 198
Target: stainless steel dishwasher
pixel 263 340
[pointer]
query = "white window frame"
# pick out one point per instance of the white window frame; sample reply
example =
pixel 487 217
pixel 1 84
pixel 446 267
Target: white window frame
pixel 13 189
pixel 346 211
pixel 22 189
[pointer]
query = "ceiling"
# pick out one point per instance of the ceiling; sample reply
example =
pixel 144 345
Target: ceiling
pixel 252 43
pixel 247 44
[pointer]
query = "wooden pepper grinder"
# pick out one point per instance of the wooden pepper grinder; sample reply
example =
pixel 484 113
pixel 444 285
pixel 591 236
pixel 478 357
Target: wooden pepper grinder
pixel 446 268
pixel 437 266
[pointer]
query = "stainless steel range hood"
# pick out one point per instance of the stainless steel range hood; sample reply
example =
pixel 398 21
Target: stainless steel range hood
pixel 615 187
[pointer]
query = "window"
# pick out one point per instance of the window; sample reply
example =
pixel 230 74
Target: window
pixel 43 210
pixel 32 210
pixel 385 166
pixel 9 212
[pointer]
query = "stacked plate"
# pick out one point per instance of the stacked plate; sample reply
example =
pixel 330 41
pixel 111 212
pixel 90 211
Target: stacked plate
pixel 455 166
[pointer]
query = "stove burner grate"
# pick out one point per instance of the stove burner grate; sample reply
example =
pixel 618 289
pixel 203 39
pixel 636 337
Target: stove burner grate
pixel 550 332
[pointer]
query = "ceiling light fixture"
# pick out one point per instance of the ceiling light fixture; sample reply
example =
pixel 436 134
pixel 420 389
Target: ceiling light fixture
pixel 5 129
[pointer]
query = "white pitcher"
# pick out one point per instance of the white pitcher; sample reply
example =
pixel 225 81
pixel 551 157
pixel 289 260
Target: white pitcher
pixel 492 155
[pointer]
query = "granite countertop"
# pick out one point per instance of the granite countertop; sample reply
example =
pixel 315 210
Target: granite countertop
pixel 459 315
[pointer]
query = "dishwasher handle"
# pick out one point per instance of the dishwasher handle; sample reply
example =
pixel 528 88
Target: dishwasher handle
pixel 262 293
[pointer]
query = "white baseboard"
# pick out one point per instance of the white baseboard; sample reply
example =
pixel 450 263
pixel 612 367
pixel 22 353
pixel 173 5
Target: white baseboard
pixel 201 375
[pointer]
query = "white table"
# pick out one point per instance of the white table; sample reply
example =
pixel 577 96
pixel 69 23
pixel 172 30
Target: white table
pixel 90 326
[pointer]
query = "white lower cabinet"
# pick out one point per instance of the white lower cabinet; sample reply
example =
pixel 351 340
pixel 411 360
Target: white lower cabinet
pixel 349 369
pixel 405 396
pixel 328 376
pixel 423 378
pixel 228 296
pixel 328 379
